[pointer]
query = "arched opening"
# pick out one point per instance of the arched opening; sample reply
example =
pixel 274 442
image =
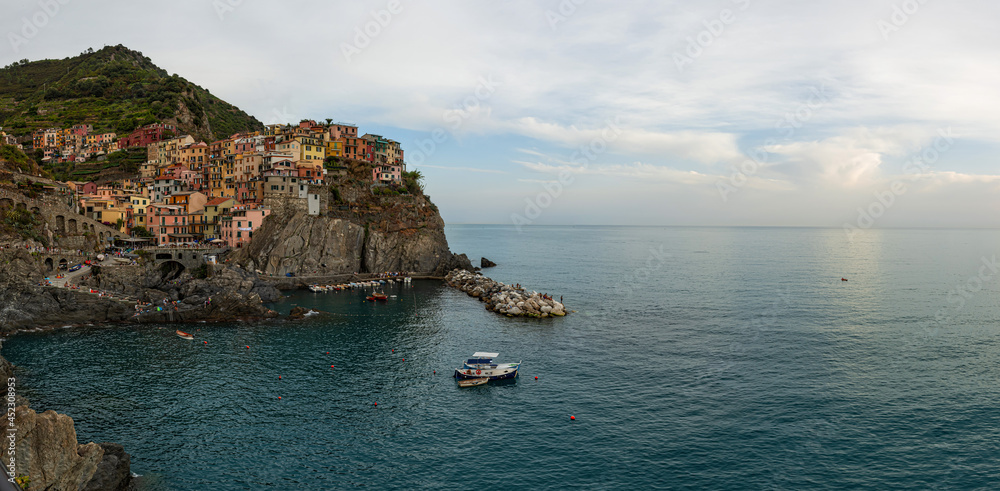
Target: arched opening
pixel 48 264
pixel 72 225
pixel 35 209
pixel 100 237
pixel 92 230
pixel 171 270
pixel 63 264
pixel 60 224
pixel 22 206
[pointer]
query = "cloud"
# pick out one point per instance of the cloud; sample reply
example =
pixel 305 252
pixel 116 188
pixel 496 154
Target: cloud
pixel 463 169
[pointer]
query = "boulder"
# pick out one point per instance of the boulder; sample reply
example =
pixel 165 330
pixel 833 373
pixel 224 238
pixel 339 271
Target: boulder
pixel 298 313
pixel 113 473
pixel 48 452
pixel 486 263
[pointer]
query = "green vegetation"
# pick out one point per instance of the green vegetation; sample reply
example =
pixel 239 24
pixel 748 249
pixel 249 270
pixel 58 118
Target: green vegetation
pixel 114 89
pixel 413 181
pixel 140 231
pixel 18 160
pixel 201 272
pixel 332 162
pixel 24 223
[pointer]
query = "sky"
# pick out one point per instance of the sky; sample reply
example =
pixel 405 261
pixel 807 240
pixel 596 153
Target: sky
pixel 853 114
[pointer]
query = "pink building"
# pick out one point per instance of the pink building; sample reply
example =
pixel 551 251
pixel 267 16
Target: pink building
pixel 168 223
pixel 387 174
pixel 238 227
pixel 81 129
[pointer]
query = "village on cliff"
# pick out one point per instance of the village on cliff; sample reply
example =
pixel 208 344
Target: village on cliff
pixel 192 192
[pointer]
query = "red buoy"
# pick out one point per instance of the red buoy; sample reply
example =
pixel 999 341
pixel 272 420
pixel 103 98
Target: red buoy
pixel 248 347
pixel 404 359
pixel 536 377
pixel 206 342
pixel 279 397
pixel 376 404
pixel 279 377
pixel 328 352
pixel 331 366
pixel 573 418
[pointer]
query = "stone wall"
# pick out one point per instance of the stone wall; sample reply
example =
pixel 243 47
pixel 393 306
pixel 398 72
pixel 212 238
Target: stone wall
pixel 60 218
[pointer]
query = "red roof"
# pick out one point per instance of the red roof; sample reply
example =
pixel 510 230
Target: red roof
pixel 217 201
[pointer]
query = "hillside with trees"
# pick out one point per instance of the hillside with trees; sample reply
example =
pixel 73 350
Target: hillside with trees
pixel 114 89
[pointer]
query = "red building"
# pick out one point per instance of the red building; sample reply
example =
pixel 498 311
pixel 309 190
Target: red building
pixel 148 134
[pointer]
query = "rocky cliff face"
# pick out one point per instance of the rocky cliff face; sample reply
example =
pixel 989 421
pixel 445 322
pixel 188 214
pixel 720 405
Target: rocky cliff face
pixel 325 245
pixel 25 303
pixel 235 293
pixel 47 451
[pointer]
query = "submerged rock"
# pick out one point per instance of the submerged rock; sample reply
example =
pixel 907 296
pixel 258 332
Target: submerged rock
pixel 299 313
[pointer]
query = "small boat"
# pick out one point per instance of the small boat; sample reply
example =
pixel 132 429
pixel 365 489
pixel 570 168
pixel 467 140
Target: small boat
pixel 184 335
pixel 481 365
pixel 472 382
pixel 377 296
pixel 316 288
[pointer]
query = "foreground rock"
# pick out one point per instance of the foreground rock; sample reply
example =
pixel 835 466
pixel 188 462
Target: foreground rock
pixel 486 263
pixel 504 299
pixel 48 453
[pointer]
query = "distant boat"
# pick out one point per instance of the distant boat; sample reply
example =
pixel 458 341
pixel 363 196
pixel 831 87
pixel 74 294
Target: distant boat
pixel 472 382
pixel 481 365
pixel 377 296
pixel 184 335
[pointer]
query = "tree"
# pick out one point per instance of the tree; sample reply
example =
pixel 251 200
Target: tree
pixel 328 121
pixel 413 180
pixel 140 231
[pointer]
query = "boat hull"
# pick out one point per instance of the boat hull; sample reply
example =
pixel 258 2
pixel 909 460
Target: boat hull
pixel 500 373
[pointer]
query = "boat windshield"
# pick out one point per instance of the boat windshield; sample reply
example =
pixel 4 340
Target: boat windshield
pixel 479 361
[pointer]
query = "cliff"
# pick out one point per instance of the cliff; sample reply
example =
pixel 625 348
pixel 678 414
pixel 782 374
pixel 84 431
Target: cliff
pixel 360 228
pixel 47 451
pixel 323 245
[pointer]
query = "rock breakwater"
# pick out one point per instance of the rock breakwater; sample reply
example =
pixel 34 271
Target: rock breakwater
pixel 509 300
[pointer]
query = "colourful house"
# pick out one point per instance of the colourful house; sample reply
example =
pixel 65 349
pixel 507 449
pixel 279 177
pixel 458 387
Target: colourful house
pixel 237 229
pixel 215 208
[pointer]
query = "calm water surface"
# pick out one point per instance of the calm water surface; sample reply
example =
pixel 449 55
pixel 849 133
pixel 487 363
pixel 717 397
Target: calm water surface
pixel 708 358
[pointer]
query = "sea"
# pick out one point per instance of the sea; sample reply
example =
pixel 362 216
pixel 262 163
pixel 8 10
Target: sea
pixel 694 358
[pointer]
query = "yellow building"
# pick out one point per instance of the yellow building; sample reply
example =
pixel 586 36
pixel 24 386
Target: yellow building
pixel 194 156
pixel 334 148
pixel 112 215
pixel 138 204
pixel 214 209
pixel 311 149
